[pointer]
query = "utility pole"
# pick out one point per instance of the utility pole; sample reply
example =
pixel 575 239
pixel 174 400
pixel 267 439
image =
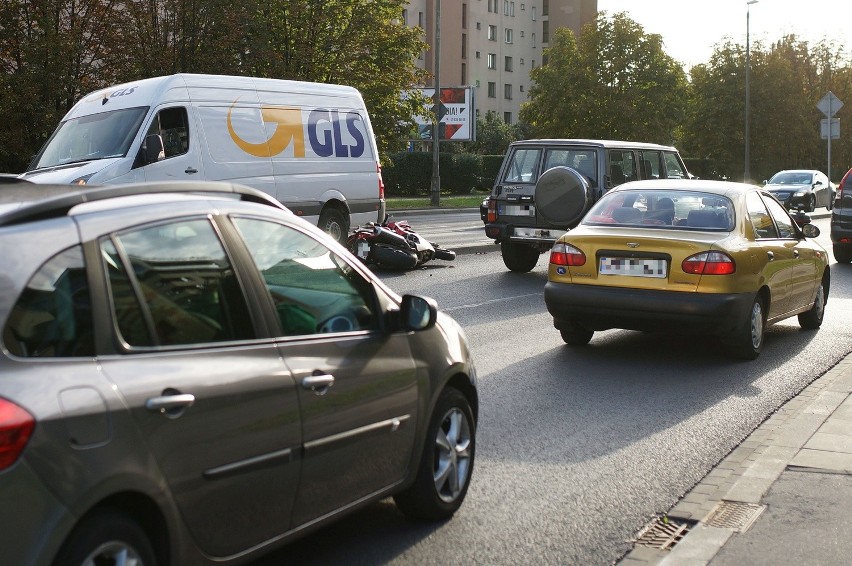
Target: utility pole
pixel 435 199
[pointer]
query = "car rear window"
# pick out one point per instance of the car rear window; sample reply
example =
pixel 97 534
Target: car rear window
pixel 688 210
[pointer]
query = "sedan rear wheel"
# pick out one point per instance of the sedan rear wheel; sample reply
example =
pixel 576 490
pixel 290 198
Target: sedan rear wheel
pixel 812 319
pixel 575 335
pixel 747 341
pixel 107 538
pixel 447 461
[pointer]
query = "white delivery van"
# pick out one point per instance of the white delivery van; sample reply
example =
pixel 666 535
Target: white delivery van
pixel 310 145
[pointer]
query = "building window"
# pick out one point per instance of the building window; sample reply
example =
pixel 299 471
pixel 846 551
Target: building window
pixel 507 64
pixel 464 16
pixel 522 61
pixel 521 88
pixel 545 31
pixel 492 90
pixel 507 91
pixel 545 7
pixel 522 7
pixel 492 33
pixel 464 46
pixel 477 83
pixel 507 117
pixel 463 73
pixel 533 40
pixel 511 8
pixel 532 64
pixel 420 19
pixel 405 17
pixel 508 35
pixel 522 33
pixel 492 60
pixel 533 12
pixel 478 54
pixel 492 6
pixel 478 25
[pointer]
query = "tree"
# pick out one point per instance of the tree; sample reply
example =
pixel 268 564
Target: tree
pixel 362 43
pixel 614 82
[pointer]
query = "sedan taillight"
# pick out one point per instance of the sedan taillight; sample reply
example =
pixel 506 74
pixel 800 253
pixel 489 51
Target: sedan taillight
pixel 566 254
pixel 709 263
pixel 16 427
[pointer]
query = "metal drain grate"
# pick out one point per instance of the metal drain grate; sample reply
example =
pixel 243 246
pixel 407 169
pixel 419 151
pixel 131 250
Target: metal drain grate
pixel 734 515
pixel 663 533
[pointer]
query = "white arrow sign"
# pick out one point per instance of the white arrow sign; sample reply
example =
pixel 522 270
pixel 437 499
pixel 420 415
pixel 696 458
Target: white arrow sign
pixel 829 104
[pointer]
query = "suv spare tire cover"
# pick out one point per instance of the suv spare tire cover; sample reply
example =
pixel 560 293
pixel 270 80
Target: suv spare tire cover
pixel 561 195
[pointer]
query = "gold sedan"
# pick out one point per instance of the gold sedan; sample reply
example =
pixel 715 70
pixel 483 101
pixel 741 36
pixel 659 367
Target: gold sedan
pixel 709 257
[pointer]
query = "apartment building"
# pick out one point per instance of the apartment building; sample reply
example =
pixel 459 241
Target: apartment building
pixel 493 45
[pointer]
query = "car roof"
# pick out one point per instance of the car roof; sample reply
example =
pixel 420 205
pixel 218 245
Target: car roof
pixel 38 202
pixel 596 143
pixel 722 188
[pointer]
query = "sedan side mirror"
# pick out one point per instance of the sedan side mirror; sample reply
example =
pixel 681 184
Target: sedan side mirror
pixel 810 231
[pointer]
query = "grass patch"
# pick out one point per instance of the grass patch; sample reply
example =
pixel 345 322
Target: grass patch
pixel 447 201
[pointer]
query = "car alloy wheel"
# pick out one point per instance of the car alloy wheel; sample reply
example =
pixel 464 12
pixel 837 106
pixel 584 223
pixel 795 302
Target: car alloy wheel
pixel 812 319
pixel 446 464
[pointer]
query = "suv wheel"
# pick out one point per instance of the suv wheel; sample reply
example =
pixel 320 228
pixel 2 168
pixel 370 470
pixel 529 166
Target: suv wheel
pixel 842 254
pixel 519 257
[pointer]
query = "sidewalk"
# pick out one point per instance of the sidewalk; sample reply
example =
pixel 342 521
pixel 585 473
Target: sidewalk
pixel 781 497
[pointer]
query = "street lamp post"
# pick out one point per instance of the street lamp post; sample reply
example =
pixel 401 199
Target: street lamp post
pixel 747 175
pixel 435 199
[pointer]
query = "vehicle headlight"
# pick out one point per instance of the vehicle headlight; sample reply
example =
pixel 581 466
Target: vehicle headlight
pixel 799 193
pixel 82 180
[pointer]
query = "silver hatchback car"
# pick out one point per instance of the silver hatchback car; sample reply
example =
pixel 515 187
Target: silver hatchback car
pixel 190 374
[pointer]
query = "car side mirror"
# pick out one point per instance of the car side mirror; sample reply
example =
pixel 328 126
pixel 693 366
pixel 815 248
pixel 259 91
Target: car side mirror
pixel 417 313
pixel 152 150
pixel 810 230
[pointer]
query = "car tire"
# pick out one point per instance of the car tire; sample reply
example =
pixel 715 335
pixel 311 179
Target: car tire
pixel 812 319
pixel 842 254
pixel 574 334
pixel 746 342
pixel 811 203
pixel 335 223
pixel 446 465
pixel 107 537
pixel 519 258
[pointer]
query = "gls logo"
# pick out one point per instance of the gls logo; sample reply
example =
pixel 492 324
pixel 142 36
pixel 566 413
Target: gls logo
pixel 325 133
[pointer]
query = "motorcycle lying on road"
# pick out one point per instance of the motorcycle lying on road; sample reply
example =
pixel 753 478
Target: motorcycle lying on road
pixel 394 245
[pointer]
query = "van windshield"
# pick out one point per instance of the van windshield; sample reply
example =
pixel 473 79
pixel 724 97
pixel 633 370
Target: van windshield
pixel 97 136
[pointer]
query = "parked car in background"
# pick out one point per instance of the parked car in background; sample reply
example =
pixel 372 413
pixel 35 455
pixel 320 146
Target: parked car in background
pixel 707 257
pixel 803 188
pixel 841 221
pixel 545 186
pixel 192 374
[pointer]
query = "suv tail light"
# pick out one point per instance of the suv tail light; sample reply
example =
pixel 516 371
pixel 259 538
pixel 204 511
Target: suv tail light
pixel 709 263
pixel 16 427
pixel 492 210
pixel 566 254
pixel 381 181
pixel 842 185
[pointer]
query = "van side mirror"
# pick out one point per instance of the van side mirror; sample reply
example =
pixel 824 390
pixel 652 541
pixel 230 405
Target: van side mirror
pixel 152 150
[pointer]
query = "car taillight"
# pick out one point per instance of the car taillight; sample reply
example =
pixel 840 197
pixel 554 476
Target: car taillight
pixel 381 181
pixel 16 427
pixel 492 210
pixel 566 254
pixel 709 263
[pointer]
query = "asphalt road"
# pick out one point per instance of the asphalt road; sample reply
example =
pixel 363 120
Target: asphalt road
pixel 577 448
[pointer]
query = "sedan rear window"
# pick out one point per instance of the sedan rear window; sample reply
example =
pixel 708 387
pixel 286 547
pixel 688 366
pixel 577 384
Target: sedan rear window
pixel 688 210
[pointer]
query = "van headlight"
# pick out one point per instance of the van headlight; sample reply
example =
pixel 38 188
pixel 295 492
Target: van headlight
pixel 82 180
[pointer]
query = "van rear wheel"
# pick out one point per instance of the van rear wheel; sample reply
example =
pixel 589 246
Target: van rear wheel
pixel 333 221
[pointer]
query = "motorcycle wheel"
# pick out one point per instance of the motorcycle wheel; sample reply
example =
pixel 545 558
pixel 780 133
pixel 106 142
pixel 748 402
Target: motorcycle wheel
pixel 392 258
pixel 446 255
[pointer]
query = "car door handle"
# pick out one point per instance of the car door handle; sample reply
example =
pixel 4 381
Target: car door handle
pixel 319 383
pixel 190 170
pixel 170 403
pixel 770 255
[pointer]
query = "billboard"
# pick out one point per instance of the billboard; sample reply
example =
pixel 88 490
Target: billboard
pixel 456 113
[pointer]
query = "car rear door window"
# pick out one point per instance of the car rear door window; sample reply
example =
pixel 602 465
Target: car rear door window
pixel 313 289
pixel 53 315
pixel 764 228
pixel 782 219
pixel 521 168
pixel 173 284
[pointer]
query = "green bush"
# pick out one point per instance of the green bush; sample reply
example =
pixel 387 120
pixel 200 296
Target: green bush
pixel 410 173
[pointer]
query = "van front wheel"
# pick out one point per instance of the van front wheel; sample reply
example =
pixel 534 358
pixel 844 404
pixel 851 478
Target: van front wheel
pixel 333 221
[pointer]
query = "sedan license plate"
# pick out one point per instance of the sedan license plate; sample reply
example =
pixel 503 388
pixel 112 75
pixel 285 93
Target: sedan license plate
pixel 633 267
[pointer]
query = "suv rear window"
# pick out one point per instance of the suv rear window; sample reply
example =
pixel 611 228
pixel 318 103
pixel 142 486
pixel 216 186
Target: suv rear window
pixel 522 166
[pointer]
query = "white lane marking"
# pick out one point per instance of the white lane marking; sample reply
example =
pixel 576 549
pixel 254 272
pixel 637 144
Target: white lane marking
pixel 474 305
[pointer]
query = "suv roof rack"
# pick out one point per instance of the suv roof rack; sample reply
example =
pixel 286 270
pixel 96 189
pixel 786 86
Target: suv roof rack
pixel 60 201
